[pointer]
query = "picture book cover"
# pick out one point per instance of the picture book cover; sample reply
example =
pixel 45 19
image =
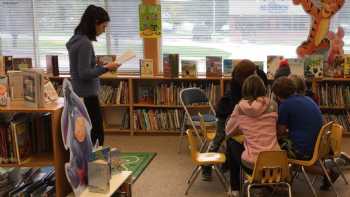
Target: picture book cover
pixel 259 64
pixel 347 65
pixel 189 68
pixel 146 67
pixel 22 63
pixel 150 20
pixel 313 65
pixel 31 89
pixel 2 66
pixel 336 69
pixel 105 59
pixel 228 67
pixel 171 65
pixel 213 66
pixel 296 66
pixel 76 136
pixel 52 67
pixel 22 142
pixel 273 62
pixel 3 91
pixel 15 85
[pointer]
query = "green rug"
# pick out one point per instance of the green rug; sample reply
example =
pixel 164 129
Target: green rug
pixel 136 162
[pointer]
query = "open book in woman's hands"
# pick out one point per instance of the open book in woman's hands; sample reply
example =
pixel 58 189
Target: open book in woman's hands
pixel 124 57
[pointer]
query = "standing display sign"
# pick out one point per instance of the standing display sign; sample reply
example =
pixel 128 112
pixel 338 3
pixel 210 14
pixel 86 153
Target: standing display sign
pixel 76 128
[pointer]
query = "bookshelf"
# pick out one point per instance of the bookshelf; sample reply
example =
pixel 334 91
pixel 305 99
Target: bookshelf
pixel 59 155
pixel 149 96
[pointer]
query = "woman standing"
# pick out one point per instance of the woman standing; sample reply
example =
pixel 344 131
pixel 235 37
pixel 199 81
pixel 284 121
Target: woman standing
pixel 83 69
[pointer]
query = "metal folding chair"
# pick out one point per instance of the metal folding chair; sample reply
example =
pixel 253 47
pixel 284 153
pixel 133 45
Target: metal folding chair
pixel 195 100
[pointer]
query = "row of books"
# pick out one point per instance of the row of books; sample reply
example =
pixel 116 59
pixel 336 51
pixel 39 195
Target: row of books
pixel 334 95
pixel 15 63
pixel 114 95
pixel 342 118
pixel 169 93
pixel 123 121
pixel 27 182
pixel 25 135
pixel 151 120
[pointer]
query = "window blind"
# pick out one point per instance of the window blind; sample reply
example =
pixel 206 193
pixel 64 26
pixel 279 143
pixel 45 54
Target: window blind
pixel 36 28
pixel 16 28
pixel 238 28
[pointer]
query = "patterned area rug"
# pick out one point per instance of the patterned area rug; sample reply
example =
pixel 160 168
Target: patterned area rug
pixel 136 162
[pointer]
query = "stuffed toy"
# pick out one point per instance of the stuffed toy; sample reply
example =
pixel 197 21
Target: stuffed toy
pixel 321 16
pixel 336 45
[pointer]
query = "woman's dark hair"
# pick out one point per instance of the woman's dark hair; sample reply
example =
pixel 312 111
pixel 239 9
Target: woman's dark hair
pixel 283 87
pixel 253 87
pixel 92 16
pixel 244 69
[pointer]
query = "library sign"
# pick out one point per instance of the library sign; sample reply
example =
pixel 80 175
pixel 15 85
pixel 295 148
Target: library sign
pixel 264 7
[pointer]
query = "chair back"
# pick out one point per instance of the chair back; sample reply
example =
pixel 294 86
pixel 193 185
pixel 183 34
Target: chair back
pixel 189 96
pixel 336 139
pixel 321 148
pixel 193 145
pixel 271 167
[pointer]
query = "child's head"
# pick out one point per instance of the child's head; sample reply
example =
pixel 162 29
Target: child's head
pixel 299 84
pixel 283 87
pixel 253 87
pixel 283 69
pixel 244 69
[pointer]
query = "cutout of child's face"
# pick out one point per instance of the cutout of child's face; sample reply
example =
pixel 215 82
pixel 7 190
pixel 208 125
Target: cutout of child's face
pixel 80 129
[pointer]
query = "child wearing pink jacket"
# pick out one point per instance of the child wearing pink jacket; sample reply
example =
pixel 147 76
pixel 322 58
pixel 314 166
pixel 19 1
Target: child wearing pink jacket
pixel 255 116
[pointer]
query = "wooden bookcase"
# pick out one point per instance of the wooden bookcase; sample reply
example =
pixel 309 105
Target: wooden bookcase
pixel 59 156
pixel 135 83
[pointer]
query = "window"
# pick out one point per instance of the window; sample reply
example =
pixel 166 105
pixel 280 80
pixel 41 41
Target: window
pixel 36 28
pixel 238 28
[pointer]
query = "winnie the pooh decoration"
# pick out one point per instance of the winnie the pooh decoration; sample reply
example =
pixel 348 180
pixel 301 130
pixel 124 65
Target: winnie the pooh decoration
pixel 336 44
pixel 321 15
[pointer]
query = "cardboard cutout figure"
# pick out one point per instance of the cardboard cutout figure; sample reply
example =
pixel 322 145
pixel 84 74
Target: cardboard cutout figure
pixel 336 45
pixel 76 127
pixel 320 22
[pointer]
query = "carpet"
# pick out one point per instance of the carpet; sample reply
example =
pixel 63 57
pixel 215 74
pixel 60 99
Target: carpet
pixel 136 162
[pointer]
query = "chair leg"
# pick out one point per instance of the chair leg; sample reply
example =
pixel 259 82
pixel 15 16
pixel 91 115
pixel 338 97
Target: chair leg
pixel 340 171
pixel 289 189
pixel 241 182
pixel 193 172
pixel 192 181
pixel 182 133
pixel 327 175
pixel 248 189
pixel 221 178
pixel 209 146
pixel 203 145
pixel 308 182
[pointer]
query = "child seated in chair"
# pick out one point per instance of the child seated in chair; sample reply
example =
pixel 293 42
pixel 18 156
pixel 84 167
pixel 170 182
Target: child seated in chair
pixel 299 123
pixel 255 116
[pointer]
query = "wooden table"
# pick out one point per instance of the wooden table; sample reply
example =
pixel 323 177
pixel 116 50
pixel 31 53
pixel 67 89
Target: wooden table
pixel 120 181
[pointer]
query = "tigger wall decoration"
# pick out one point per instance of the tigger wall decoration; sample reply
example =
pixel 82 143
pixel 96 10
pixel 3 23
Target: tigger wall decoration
pixel 321 16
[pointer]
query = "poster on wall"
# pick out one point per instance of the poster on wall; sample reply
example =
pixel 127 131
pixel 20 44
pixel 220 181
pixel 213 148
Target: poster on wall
pixel 76 127
pixel 150 21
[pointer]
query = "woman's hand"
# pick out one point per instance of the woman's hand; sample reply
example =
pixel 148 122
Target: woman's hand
pixel 112 66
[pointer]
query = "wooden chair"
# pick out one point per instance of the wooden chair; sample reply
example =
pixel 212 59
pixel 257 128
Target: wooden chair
pixel 321 151
pixel 336 137
pixel 204 159
pixel 271 168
